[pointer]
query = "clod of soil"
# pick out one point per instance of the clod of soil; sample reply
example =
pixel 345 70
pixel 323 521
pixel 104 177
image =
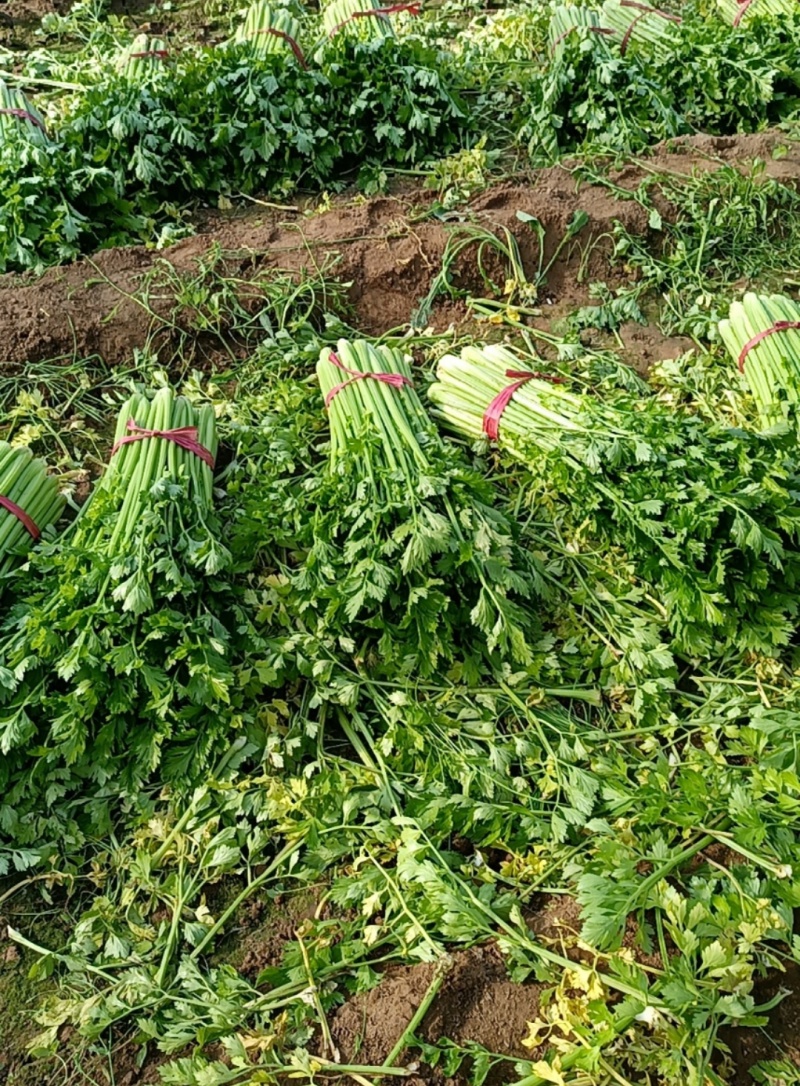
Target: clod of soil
pixel 477 1002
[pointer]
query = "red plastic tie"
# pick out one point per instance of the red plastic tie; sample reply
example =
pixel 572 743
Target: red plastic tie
pixel 494 412
pixel 780 326
pixel 184 436
pixel 24 115
pixel 298 52
pixel 413 8
pixel 158 54
pixel 593 29
pixel 645 11
pixel 396 380
pixel 21 516
pixel 650 11
pixel 743 6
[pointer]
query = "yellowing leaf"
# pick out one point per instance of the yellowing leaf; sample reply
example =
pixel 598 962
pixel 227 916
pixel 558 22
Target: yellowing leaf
pixel 548 1073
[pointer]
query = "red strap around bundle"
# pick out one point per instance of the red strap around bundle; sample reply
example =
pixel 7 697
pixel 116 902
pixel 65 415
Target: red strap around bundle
pixel 184 436
pixel 23 115
pixel 298 52
pixel 21 516
pixel 396 380
pixel 743 6
pixel 494 412
pixel 158 54
pixel 594 29
pixel 779 326
pixel 412 8
pixel 647 10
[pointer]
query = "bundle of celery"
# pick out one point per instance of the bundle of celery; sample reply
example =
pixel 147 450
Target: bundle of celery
pixel 269 31
pixel 567 21
pixel 117 657
pixel 708 516
pixel 409 564
pixel 17 115
pixel 641 26
pixel 763 336
pixel 361 19
pixel 29 503
pixel 739 12
pixel 142 58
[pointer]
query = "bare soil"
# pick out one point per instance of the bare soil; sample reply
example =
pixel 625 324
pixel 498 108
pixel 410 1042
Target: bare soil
pixel 779 1039
pixel 477 1003
pixel 19 19
pixel 388 249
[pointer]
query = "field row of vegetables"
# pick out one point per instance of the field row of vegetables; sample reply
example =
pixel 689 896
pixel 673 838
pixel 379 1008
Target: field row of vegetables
pixel 108 137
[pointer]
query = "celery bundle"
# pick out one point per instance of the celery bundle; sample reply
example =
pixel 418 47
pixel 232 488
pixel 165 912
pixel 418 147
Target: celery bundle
pixel 142 58
pixel 29 502
pixel 115 659
pixel 567 21
pixel 542 412
pixel 17 115
pixel 707 515
pixel 357 19
pixel 763 336
pixel 739 12
pixel 269 31
pixel 639 25
pixel 409 560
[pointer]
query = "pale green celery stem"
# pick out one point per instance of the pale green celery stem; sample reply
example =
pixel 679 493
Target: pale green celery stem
pixel 13 482
pixel 207 432
pixel 342 416
pixel 389 419
pixel 151 462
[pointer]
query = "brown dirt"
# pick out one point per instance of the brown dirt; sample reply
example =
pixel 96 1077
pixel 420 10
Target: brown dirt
pixel 477 1002
pixel 19 19
pixel 780 1039
pixel 644 344
pixel 376 246
pixel 779 152
pixel 267 928
pixel 385 248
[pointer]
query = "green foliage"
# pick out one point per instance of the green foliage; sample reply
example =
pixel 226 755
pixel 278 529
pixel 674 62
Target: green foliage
pixel 222 121
pixel 442 702
pixel 707 77
pixel 38 223
pixel 124 642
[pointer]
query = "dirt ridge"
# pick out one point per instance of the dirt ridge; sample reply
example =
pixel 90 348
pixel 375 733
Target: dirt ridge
pixel 383 247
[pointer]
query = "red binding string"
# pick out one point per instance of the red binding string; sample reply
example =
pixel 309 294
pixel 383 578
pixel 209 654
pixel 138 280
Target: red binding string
pixel 413 8
pixel 298 52
pixel 183 436
pixel 21 516
pixel 494 412
pixel 626 40
pixel 743 6
pixel 157 54
pixel 645 10
pixel 24 115
pixel 779 326
pixel 570 30
pixel 396 380
pixel 650 11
